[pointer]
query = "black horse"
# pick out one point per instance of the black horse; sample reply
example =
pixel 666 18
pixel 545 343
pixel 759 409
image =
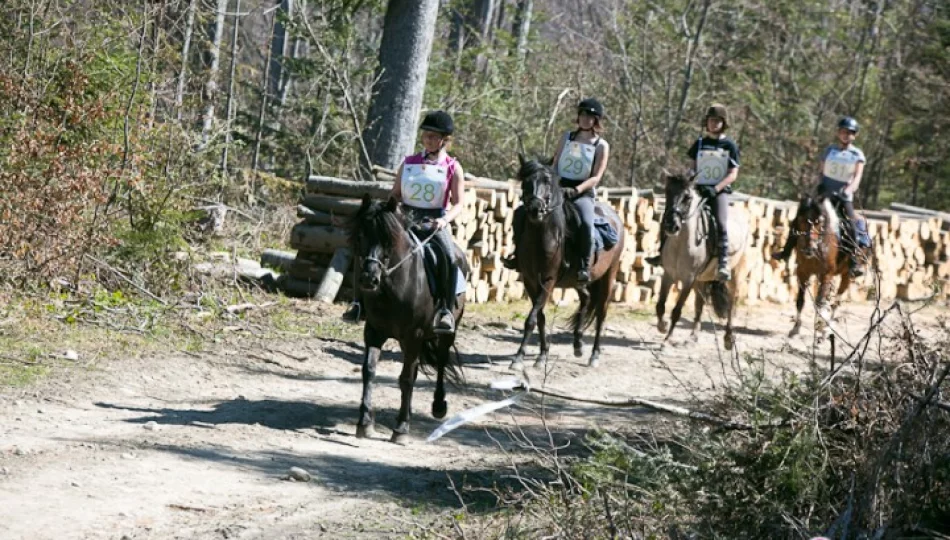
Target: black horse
pixel 544 246
pixel 399 305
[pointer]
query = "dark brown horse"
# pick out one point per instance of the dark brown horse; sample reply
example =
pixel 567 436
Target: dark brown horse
pixel 542 248
pixel 399 305
pixel 820 252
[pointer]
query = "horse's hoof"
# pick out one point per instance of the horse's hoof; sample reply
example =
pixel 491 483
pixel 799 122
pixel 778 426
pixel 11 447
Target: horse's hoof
pixel 594 361
pixel 729 342
pixel 694 337
pixel 578 350
pixel 662 327
pixel 541 362
pixel 516 365
pixel 795 332
pixel 399 438
pixel 439 408
pixel 365 432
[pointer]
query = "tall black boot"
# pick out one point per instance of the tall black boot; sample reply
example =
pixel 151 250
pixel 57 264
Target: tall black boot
pixel 786 251
pixel 657 259
pixel 854 252
pixel 354 314
pixel 444 319
pixel 586 252
pixel 723 273
pixel 517 224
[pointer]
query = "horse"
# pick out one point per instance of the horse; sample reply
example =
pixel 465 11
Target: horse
pixel 818 232
pixel 687 257
pixel 543 247
pixel 399 305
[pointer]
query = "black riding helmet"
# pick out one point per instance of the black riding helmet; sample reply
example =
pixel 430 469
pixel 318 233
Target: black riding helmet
pixel 717 110
pixel 592 107
pixel 438 122
pixel 849 124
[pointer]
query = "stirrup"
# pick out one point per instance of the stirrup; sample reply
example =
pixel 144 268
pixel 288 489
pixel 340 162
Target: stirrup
pixel 510 262
pixel 440 325
pixel 353 314
pixel 583 275
pixel 655 260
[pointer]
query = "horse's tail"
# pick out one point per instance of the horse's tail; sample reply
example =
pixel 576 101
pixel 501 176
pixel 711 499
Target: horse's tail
pixel 452 361
pixel 599 296
pixel 721 299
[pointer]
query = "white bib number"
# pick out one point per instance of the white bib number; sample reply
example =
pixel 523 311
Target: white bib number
pixel 839 168
pixel 424 186
pixel 576 161
pixel 712 165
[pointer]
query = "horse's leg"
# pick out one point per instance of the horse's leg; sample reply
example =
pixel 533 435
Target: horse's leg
pixel 373 342
pixel 799 304
pixel 582 307
pixel 538 297
pixel 699 296
pixel 542 329
pixel 678 308
pixel 439 405
pixel 842 289
pixel 823 315
pixel 407 380
pixel 729 340
pixel 600 299
pixel 666 282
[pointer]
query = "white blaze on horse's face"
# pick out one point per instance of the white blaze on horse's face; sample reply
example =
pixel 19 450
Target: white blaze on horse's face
pixel 537 196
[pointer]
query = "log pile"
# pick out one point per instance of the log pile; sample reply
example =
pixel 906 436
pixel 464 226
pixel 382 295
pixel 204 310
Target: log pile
pixel 912 245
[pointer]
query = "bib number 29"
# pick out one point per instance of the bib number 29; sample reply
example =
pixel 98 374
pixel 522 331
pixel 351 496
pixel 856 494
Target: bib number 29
pixel 422 192
pixel 573 166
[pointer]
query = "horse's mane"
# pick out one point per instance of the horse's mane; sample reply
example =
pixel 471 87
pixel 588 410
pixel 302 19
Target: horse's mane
pixel 379 222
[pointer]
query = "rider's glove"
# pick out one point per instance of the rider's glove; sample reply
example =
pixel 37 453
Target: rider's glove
pixel 570 193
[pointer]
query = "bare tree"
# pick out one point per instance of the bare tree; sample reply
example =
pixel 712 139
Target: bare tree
pixel 211 87
pixel 691 50
pixel 523 27
pixel 229 114
pixel 185 48
pixel 408 31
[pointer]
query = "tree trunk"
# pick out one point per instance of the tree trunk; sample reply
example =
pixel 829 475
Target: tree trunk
pixel 691 50
pixel 211 88
pixel 185 48
pixel 256 158
pixel 230 107
pixel 408 30
pixel 279 48
pixel 523 27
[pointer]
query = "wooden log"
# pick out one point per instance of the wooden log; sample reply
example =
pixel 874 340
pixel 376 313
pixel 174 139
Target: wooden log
pixel 306 270
pixel 332 205
pixel 318 238
pixel 328 185
pixel 277 259
pixel 333 278
pixel 313 217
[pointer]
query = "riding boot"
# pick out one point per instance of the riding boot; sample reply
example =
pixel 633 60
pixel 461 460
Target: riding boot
pixel 657 260
pixel 854 253
pixel 444 320
pixel 586 251
pixel 723 273
pixel 517 224
pixel 354 314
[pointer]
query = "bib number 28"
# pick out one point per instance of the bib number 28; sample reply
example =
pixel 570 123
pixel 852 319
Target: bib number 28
pixel 422 192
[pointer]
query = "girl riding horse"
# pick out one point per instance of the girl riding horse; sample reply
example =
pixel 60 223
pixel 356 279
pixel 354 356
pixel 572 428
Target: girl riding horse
pixel 841 168
pixel 431 187
pixel 581 160
pixel 716 162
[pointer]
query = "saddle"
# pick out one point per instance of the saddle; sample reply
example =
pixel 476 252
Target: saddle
pixel 844 232
pixel 605 236
pixel 436 261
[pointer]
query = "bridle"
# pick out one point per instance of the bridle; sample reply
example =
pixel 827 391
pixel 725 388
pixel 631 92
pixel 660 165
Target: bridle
pixel 546 207
pixel 417 247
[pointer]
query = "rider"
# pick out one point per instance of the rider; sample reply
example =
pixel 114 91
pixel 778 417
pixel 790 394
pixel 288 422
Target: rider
pixel 716 162
pixel 581 160
pixel 841 165
pixel 431 187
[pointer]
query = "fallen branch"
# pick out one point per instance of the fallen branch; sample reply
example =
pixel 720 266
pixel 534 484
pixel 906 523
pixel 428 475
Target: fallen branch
pixel 128 280
pixel 934 402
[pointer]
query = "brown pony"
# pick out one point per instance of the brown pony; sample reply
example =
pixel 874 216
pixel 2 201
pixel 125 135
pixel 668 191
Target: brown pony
pixel 542 248
pixel 818 232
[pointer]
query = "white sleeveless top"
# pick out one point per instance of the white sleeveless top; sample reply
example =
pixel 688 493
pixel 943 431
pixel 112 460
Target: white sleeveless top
pixel 426 185
pixel 577 159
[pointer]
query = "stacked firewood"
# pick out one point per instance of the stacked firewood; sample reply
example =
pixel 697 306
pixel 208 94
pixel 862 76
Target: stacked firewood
pixel 911 250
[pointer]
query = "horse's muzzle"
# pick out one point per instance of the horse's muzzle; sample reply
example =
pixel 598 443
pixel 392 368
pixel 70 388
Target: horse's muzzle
pixel 369 281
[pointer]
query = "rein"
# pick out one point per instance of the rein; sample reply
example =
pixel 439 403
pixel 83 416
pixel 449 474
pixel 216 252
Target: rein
pixel 419 244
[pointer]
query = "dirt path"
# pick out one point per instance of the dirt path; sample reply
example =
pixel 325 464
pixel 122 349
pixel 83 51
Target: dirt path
pixel 197 445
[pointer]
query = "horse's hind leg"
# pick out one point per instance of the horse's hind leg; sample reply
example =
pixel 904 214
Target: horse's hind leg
pixel 600 299
pixel 729 340
pixel 678 308
pixel 799 304
pixel 666 282
pixel 699 303
pixel 584 304
pixel 407 380
pixel 373 342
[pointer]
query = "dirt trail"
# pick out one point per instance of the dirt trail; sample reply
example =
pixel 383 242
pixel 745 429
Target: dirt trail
pixel 196 446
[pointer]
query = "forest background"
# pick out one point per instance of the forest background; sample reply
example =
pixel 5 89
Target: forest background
pixel 118 115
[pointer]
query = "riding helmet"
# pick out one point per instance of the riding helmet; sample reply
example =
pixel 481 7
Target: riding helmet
pixel 592 107
pixel 438 122
pixel 849 124
pixel 717 110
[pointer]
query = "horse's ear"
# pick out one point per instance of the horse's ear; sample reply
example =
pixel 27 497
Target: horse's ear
pixel 392 204
pixel 521 159
pixel 367 200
